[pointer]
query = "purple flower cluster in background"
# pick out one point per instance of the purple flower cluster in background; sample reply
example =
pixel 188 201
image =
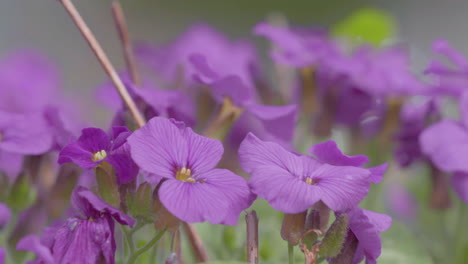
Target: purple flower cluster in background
pixel 219 136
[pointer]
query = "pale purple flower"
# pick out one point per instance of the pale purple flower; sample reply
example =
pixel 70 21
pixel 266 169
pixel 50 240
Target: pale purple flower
pixel 293 183
pixel 236 58
pixel 297 47
pixel 5 215
pixel 366 227
pixel 85 238
pixel 448 79
pixel 95 146
pixel 270 122
pixel 191 189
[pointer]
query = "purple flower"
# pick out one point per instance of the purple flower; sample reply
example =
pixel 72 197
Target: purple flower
pixel 87 237
pixel 192 189
pixel 448 79
pixel 95 146
pixel 270 122
pixel 401 203
pixel 152 101
pixel 292 182
pixel 414 117
pixel 297 47
pixel 236 58
pixel 446 144
pixel 5 215
pixel 365 226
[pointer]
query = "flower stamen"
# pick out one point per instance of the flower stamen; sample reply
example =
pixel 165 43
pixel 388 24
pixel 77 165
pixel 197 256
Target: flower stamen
pixel 309 180
pixel 100 155
pixel 184 175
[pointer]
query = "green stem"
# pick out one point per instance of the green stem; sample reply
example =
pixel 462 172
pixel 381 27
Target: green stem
pixel 129 238
pixel 291 253
pixel 145 248
pixel 460 245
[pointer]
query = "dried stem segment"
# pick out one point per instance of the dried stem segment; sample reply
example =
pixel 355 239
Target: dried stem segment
pixel 251 221
pixel 120 22
pixel 195 242
pixel 104 60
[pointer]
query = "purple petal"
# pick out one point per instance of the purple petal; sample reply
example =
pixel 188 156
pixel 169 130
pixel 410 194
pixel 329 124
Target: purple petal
pixel 460 185
pixel 24 134
pixel 446 144
pixel 283 191
pixel 464 109
pixel 342 187
pixel 277 121
pixel 11 164
pixel 204 72
pixel 126 169
pixel 159 147
pixel 401 203
pixel 119 136
pixel 233 87
pixel 74 152
pixel 32 243
pixel 5 215
pixel 94 140
pixel 378 172
pixel 328 152
pixel 84 241
pixel 443 47
pixel 212 199
pixel 203 152
pixel 87 203
pixel 366 226
pixel 254 153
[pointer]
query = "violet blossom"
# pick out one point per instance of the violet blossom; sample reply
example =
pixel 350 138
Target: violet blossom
pixel 292 183
pixel 364 229
pixel 95 146
pixel 183 161
pixel 86 238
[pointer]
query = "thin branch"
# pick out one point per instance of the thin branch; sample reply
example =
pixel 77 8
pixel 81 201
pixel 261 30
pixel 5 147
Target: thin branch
pixel 251 221
pixel 195 242
pixel 120 22
pixel 104 60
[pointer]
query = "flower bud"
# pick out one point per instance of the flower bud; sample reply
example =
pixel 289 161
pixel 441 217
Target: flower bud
pixel 107 185
pixel 293 227
pixel 141 205
pixel 332 243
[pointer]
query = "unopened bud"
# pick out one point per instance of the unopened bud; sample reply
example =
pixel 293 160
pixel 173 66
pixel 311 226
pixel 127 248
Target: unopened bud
pixel 107 186
pixel 293 227
pixel 332 243
pixel 171 259
pixel 141 205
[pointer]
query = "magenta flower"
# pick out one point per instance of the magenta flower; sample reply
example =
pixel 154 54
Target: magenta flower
pixel 365 226
pixel 84 238
pixel 292 183
pixel 95 146
pixel 192 189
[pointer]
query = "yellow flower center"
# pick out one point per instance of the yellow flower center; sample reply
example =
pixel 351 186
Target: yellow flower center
pixel 309 180
pixel 100 155
pixel 184 175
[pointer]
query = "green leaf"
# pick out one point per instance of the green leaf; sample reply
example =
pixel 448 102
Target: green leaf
pixel 21 195
pixel 366 25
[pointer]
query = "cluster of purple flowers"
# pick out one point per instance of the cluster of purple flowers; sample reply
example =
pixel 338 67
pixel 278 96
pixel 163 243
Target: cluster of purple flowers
pixel 204 91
